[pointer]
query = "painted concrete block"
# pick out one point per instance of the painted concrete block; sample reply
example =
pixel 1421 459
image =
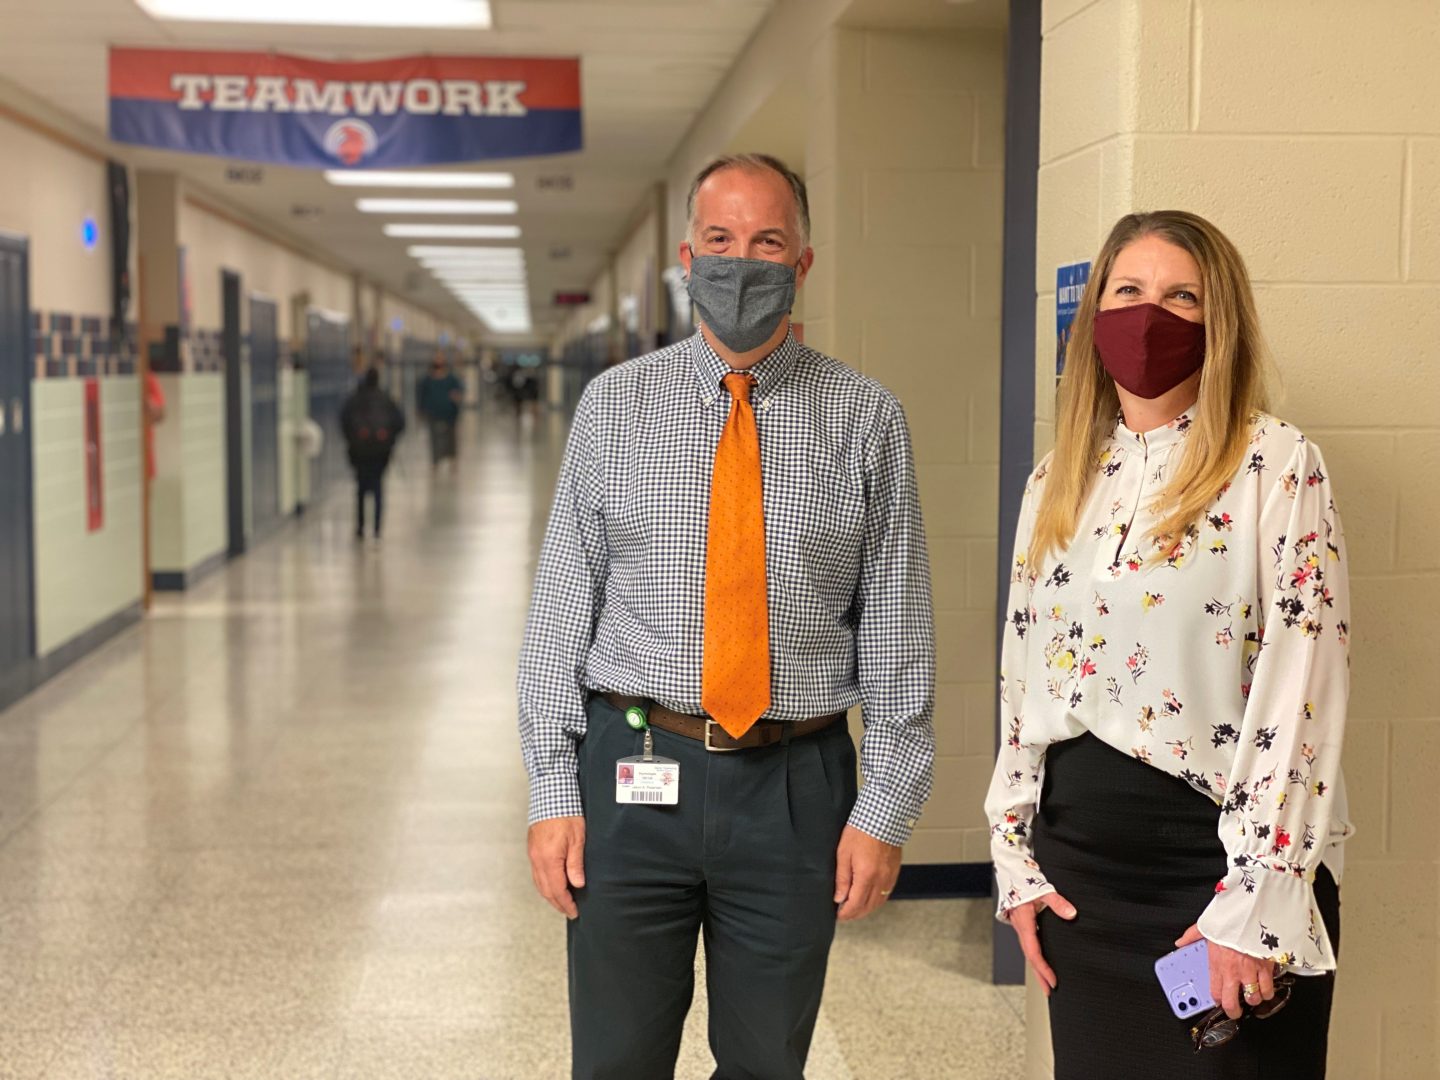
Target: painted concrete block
pixel 1423 226
pixel 933 207
pixel 932 64
pixel 965 646
pixel 1068 207
pixel 900 132
pixel 1313 210
pixel 1367 772
pixel 1328 66
pixel 1392 659
pixel 1348 356
pixel 1367 481
pixel 1420 507
pixel 960 500
pixel 1087 80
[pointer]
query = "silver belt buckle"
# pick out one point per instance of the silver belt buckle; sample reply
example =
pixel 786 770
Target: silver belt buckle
pixel 710 726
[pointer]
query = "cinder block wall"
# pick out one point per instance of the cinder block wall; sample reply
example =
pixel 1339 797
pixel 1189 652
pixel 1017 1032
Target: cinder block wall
pixel 1310 133
pixel 904 159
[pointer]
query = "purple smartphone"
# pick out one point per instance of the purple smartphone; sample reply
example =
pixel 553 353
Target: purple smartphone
pixel 1185 977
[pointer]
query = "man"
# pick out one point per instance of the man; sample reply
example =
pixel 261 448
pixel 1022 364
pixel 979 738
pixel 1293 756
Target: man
pixel 371 422
pixel 439 399
pixel 735 557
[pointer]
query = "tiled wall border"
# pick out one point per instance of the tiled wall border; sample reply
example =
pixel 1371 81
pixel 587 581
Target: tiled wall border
pixel 69 346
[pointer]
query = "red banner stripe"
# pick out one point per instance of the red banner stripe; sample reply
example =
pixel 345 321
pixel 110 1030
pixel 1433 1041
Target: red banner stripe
pixel 145 74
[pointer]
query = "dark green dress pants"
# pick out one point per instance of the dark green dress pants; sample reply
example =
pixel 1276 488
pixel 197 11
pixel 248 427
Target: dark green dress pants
pixel 747 859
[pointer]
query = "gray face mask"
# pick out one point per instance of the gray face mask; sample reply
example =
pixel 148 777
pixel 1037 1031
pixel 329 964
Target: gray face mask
pixel 742 301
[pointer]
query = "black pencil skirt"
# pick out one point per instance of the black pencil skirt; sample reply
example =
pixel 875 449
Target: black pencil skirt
pixel 1136 851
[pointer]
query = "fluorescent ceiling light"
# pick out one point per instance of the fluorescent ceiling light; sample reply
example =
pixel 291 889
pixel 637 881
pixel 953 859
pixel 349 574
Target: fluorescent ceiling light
pixel 497 272
pixel 499 324
pixel 430 251
pixel 469 262
pixel 437 206
pixel 480 272
pixel 485 292
pixel 469 287
pixel 458 14
pixel 473 262
pixel 498 275
pixel 454 232
pixel 381 178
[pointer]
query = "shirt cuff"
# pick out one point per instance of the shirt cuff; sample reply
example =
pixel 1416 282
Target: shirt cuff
pixel 875 817
pixel 1265 907
pixel 555 795
pixel 1018 879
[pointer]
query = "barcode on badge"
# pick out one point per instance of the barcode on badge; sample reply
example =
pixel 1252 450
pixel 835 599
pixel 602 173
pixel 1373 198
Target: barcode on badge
pixel 646 796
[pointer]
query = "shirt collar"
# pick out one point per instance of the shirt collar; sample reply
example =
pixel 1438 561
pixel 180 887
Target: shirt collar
pixel 1171 434
pixel 769 373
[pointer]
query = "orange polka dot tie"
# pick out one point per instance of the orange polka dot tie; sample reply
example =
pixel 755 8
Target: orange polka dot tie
pixel 735 679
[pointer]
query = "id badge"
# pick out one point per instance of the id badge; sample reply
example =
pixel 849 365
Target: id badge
pixel 651 781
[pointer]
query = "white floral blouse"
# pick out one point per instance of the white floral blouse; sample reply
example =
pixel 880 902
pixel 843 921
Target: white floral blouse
pixel 1224 664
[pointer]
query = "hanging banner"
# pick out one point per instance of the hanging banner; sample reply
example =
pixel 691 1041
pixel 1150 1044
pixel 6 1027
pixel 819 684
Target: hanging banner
pixel 94 464
pixel 288 110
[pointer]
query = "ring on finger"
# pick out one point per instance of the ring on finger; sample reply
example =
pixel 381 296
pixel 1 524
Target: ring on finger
pixel 1251 989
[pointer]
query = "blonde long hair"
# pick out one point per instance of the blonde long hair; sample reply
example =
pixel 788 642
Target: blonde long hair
pixel 1232 389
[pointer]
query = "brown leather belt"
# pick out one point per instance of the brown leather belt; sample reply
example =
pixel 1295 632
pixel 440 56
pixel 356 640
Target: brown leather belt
pixel 716 738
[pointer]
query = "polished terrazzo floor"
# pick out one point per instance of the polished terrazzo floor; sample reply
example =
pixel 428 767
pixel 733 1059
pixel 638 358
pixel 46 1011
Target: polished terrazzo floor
pixel 277 831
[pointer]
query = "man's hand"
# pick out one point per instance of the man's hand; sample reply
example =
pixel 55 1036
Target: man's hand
pixel 865 872
pixel 557 861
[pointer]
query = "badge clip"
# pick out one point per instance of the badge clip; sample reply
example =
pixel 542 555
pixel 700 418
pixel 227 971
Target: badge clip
pixel 636 718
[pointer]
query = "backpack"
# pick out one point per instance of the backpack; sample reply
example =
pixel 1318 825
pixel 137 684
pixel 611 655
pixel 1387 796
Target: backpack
pixel 372 427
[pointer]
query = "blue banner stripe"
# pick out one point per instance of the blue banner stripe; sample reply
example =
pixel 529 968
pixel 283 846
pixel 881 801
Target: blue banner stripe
pixel 381 141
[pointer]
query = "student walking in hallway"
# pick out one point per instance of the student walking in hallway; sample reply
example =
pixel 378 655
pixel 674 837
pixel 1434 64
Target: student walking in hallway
pixel 371 423
pixel 439 397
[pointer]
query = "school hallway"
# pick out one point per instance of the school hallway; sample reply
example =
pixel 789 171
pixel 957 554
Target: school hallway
pixel 277 830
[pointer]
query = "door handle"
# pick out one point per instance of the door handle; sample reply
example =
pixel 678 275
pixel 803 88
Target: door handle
pixel 17 416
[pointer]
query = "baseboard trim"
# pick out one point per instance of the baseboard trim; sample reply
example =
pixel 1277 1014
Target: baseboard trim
pixel 180 580
pixel 943 881
pixel 39 670
pixel 85 642
pixel 16 681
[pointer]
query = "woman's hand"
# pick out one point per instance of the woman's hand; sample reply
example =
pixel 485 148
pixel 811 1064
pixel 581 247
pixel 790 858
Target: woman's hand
pixel 1231 971
pixel 1023 918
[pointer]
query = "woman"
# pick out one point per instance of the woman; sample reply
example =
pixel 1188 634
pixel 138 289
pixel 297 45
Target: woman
pixel 1174 682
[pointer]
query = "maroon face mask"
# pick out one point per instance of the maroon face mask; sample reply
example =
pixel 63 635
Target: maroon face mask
pixel 1148 350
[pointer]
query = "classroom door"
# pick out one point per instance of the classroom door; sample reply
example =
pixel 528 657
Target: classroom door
pixel 17 632
pixel 264 416
pixel 234 413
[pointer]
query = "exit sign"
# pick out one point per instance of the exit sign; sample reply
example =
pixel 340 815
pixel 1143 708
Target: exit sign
pixel 571 299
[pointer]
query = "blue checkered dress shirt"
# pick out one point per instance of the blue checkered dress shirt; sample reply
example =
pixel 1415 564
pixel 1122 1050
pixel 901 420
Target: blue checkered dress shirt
pixel 619 601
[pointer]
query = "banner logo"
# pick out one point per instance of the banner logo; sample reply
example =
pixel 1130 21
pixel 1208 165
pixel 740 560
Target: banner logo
pixel 351 141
